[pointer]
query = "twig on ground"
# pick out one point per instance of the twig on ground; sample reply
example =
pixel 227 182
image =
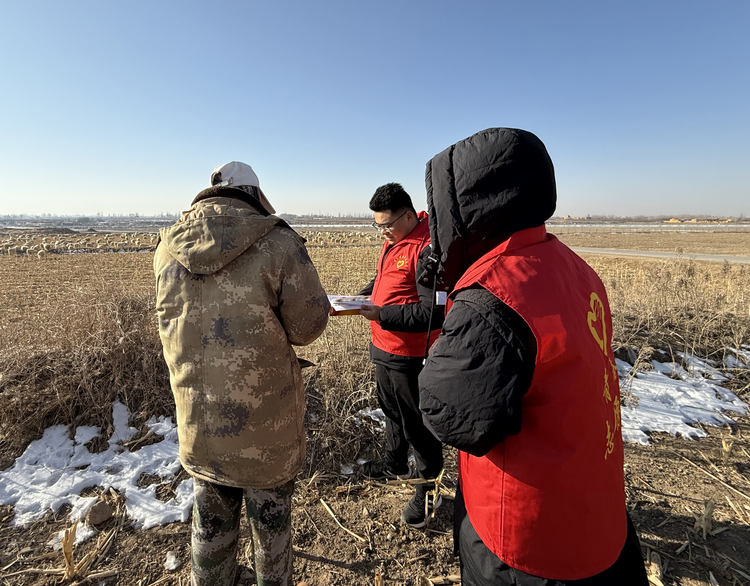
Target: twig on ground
pixel 54 572
pixel 714 566
pixel 744 518
pixel 330 512
pixel 80 570
pixel 378 578
pixel 704 520
pixel 729 486
pixel 68 540
pixel 131 445
pixel 313 523
pixel 320 559
pixel 441 580
pixel 96 576
pixel 710 463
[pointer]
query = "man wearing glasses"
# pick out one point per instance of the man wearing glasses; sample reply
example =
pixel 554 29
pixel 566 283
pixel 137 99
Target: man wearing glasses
pixel 401 317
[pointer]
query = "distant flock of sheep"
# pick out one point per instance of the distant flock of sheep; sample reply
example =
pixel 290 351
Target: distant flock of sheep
pixel 39 245
pixel 339 239
pixel 42 244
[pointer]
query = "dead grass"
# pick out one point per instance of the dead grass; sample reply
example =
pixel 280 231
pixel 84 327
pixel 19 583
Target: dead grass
pixel 78 331
pixel 678 305
pixel 730 243
pixel 84 335
pixel 343 383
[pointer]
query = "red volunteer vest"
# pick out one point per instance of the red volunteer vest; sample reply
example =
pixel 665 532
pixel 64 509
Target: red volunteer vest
pixel 396 284
pixel 550 500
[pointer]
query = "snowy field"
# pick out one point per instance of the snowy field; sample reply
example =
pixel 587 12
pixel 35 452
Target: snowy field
pixel 55 469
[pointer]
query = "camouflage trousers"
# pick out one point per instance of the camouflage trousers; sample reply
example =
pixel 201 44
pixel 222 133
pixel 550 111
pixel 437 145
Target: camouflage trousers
pixel 216 528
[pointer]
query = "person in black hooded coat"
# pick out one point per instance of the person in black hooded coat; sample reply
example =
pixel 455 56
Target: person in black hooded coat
pixel 480 192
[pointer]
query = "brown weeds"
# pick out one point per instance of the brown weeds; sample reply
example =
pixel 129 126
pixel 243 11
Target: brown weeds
pixel 79 331
pixel 342 383
pixel 70 358
pixel 677 306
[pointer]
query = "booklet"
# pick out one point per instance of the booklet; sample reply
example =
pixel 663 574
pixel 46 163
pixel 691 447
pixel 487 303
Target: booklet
pixel 348 304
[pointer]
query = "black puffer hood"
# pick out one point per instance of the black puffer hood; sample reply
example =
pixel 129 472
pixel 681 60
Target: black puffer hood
pixel 482 190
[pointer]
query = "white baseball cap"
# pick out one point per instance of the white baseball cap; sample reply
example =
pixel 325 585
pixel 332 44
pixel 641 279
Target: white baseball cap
pixel 235 174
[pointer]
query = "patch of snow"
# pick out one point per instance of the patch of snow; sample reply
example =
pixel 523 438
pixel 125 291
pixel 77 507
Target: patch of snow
pixel 704 368
pixel 741 358
pixel 347 469
pixel 376 415
pixel 55 469
pixel 172 562
pixel 83 533
pixel 671 398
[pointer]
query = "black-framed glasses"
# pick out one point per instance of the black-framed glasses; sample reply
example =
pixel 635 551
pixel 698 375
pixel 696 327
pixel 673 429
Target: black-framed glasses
pixel 388 225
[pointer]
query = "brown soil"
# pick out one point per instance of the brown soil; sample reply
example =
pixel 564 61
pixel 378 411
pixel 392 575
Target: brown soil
pixel 668 484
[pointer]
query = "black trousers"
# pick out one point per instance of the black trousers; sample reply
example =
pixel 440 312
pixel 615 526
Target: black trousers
pixel 398 396
pixel 481 567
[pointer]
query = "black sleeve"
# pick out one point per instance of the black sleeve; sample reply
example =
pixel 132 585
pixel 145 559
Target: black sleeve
pixel 481 366
pixel 367 290
pixel 414 317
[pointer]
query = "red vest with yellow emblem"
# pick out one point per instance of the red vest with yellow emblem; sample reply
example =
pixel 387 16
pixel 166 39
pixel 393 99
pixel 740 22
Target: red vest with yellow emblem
pixel 550 500
pixel 396 284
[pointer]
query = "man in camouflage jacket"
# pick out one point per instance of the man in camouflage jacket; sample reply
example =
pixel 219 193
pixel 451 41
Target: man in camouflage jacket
pixel 235 290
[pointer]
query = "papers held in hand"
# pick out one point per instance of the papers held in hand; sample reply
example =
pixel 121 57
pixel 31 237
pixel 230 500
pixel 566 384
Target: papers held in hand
pixel 348 304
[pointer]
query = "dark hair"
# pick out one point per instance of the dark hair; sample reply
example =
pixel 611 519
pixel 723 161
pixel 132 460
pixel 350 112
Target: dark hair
pixel 391 197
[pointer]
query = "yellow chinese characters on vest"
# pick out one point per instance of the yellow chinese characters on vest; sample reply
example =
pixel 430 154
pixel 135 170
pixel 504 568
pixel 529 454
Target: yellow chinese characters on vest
pixel 598 327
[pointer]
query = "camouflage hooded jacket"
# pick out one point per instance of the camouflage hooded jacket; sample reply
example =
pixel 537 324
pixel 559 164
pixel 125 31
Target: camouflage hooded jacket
pixel 234 290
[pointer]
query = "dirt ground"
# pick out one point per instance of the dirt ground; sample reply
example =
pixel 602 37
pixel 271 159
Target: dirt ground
pixel 668 485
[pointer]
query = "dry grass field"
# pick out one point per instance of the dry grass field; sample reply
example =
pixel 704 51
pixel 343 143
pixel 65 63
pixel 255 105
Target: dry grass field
pixel 730 243
pixel 78 330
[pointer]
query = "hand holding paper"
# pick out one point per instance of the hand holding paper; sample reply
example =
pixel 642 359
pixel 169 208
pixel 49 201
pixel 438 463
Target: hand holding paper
pixel 371 312
pixel 348 304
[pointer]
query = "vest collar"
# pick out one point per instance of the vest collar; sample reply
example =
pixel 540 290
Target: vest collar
pixel 522 239
pixel 417 234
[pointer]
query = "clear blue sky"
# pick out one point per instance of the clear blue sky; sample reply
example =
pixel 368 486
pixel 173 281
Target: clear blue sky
pixel 122 107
